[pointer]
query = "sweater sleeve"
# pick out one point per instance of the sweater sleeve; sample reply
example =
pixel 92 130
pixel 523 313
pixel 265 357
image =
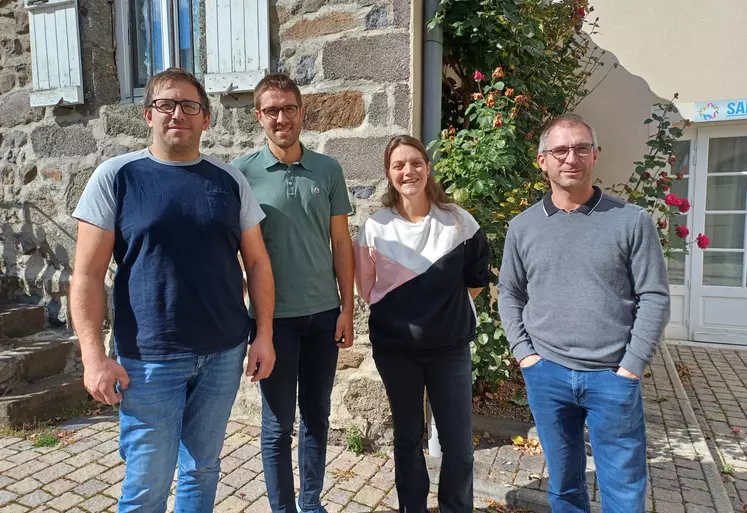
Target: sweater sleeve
pixel 477 258
pixel 649 274
pixel 512 298
pixel 365 266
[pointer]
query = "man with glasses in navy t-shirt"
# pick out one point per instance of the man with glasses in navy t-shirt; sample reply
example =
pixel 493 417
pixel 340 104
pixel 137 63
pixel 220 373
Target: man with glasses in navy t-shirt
pixel 174 220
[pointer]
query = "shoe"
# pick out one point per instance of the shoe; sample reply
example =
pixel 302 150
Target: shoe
pixel 320 509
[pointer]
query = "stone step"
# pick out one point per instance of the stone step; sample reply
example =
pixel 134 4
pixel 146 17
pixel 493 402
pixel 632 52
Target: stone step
pixel 43 400
pixel 36 357
pixel 21 320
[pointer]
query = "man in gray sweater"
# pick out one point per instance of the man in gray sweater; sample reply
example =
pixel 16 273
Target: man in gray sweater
pixel 584 301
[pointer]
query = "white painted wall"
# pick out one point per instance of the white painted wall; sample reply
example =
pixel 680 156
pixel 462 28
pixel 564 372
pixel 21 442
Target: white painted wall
pixel 697 48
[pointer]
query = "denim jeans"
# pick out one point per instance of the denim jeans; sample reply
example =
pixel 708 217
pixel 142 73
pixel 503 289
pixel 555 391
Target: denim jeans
pixel 562 400
pixel 176 411
pixel 306 359
pixel 447 377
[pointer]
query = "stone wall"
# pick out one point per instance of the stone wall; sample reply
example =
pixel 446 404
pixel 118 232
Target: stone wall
pixel 352 61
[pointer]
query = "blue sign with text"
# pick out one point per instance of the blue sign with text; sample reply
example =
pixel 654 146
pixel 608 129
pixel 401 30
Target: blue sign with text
pixel 721 110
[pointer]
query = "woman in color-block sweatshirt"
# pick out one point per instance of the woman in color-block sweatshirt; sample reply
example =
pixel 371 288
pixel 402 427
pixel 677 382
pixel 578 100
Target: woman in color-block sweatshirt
pixel 420 260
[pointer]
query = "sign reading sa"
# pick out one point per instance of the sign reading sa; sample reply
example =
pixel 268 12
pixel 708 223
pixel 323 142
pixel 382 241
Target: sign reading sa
pixel 721 110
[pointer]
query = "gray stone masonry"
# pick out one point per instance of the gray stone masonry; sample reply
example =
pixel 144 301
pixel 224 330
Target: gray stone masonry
pixel 85 473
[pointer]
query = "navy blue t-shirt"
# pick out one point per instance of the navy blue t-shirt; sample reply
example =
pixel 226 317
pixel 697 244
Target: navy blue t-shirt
pixel 177 229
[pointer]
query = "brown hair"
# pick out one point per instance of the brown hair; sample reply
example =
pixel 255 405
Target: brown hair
pixel 277 81
pixel 158 81
pixel 433 189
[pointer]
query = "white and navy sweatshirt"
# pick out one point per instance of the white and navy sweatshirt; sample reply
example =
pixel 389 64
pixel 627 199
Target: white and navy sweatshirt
pixel 415 277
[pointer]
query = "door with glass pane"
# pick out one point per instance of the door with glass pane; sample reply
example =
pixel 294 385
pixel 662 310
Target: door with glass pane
pixel 718 303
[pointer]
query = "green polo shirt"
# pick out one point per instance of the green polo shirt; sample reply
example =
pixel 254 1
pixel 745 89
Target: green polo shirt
pixel 298 201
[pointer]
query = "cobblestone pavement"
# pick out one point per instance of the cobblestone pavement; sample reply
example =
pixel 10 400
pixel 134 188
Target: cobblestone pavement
pixel 716 383
pixel 84 474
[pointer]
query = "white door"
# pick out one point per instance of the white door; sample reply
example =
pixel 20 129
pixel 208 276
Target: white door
pixel 718 296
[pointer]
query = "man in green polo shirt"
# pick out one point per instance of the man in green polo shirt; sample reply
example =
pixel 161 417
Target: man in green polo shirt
pixel 305 200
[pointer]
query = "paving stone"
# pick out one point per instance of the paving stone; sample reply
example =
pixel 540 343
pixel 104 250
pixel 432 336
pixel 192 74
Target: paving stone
pixel 59 486
pixel 113 475
pixel 85 473
pixel 83 458
pixel 54 457
pixel 26 469
pixel 354 507
pixel 338 496
pixel 254 465
pixel 115 491
pixel 239 477
pixel 691 473
pixel 696 508
pixel 693 484
pixel 110 460
pixel 34 499
pixel 91 487
pixel 14 508
pixel 260 506
pixel 54 472
pixel 97 503
pixel 697 497
pixel 7 496
pixel 252 491
pixel 667 495
pixel 81 445
pixel 369 496
pixel 223 491
pixel 65 501
pixel 352 484
pixel 232 504
pixel 24 486
pixel 365 469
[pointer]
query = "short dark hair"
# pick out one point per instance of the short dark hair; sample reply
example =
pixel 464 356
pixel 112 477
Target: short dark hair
pixel 565 119
pixel 158 81
pixel 277 81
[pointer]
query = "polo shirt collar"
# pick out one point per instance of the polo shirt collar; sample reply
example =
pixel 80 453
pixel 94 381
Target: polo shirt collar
pixel 269 160
pixel 587 208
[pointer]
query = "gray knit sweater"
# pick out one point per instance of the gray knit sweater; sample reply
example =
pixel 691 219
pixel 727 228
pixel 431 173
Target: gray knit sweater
pixel 586 289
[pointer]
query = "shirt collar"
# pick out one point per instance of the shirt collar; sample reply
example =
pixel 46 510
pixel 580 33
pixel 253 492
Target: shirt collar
pixel 269 160
pixel 587 208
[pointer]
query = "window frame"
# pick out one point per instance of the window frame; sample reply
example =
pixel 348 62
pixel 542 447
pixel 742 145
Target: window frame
pixel 125 57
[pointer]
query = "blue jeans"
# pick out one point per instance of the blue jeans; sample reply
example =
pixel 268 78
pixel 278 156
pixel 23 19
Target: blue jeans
pixel 447 377
pixel 306 359
pixel 562 400
pixel 176 411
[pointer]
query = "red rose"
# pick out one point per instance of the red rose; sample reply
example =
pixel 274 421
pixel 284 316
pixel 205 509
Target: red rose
pixel 663 223
pixel 684 205
pixel 479 77
pixel 682 231
pixel 672 200
pixel 663 174
pixel 672 159
pixel 703 241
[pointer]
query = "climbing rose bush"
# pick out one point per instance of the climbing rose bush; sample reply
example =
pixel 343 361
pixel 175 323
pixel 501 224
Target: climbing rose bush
pixel 650 184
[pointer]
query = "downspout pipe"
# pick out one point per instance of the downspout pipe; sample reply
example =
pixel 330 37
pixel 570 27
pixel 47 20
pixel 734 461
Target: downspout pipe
pixel 431 126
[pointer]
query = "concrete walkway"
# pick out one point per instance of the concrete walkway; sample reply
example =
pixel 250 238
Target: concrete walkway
pixel 84 474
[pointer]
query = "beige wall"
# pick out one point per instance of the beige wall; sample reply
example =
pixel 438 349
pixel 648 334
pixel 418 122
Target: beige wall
pixel 692 47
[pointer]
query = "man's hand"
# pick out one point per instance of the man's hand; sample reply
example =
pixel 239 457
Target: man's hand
pixel 100 376
pixel 260 358
pixel 530 360
pixel 344 332
pixel 624 372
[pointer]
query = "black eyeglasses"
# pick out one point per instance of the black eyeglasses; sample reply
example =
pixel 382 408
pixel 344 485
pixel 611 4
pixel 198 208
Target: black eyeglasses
pixel 167 106
pixel 581 150
pixel 289 111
